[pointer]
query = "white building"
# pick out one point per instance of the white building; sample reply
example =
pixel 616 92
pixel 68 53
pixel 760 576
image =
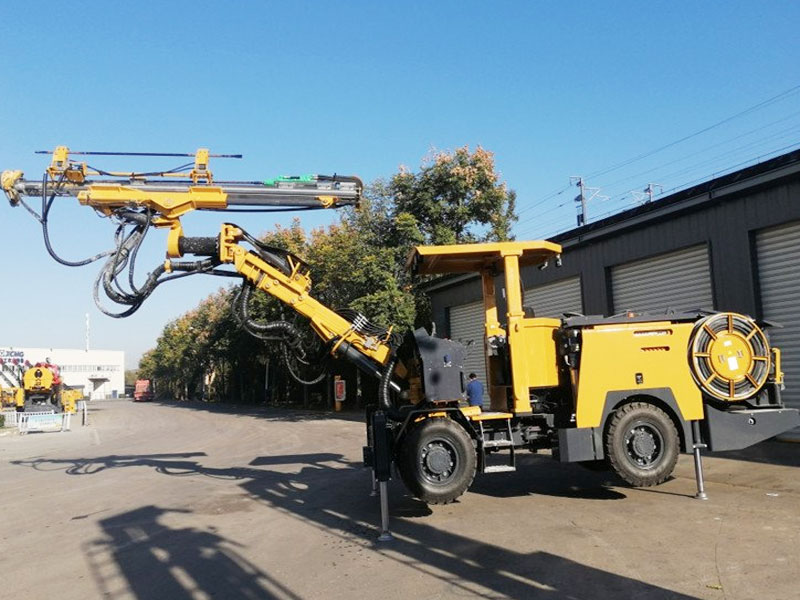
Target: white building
pixel 101 373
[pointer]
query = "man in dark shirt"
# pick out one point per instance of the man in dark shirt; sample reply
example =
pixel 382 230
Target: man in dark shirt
pixel 474 391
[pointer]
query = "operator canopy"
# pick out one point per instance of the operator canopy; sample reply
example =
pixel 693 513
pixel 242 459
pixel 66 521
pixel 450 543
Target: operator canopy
pixel 473 258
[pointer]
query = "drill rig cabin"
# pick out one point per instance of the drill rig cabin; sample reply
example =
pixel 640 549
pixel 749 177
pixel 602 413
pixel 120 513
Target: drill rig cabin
pixel 628 392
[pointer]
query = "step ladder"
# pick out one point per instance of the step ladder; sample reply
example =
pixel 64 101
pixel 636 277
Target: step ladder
pixel 490 443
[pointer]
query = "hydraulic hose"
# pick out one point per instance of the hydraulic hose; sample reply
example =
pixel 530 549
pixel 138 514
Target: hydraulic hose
pixel 384 399
pixel 46 204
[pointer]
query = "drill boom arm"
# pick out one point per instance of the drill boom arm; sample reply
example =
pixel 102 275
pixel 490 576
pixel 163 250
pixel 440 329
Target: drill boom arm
pixel 292 289
pixel 168 198
pixel 173 198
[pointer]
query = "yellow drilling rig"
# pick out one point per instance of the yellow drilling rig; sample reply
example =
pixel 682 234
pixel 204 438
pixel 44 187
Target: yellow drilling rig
pixel 628 392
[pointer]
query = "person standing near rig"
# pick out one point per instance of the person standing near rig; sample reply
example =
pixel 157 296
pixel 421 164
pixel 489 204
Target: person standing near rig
pixel 474 391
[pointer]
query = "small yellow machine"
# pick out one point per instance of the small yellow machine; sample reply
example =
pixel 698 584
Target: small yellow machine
pixel 70 398
pixel 42 390
pixel 12 397
pixel 41 385
pixel 627 392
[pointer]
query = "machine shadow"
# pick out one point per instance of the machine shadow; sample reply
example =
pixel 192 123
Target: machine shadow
pixel 155 560
pixel 542 475
pixel 268 413
pixel 770 452
pixel 330 493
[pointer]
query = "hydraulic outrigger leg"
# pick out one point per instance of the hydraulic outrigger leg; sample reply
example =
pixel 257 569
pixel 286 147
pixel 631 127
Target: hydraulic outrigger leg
pixel 698 464
pixel 381 466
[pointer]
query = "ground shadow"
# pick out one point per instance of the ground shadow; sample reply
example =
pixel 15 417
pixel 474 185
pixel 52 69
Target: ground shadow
pixel 262 411
pixel 158 561
pixel 768 452
pixel 541 475
pixel 771 452
pixel 331 493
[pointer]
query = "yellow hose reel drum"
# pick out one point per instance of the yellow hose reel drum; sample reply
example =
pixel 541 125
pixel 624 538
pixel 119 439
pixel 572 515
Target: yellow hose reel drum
pixel 730 356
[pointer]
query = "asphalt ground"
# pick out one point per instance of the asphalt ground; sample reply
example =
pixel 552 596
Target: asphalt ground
pixel 196 501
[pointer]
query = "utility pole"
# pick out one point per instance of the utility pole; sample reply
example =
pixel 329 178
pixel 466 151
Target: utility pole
pixel 582 199
pixel 649 190
pixel 646 195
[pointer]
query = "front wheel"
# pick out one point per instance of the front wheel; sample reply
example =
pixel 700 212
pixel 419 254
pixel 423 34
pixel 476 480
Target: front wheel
pixel 437 461
pixel 642 444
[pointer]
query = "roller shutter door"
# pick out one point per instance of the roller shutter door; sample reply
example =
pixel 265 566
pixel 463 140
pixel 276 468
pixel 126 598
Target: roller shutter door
pixel 678 280
pixel 466 323
pixel 778 251
pixel 556 298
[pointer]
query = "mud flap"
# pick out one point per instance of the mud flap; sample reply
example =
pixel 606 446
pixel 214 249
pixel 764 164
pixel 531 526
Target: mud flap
pixel 578 444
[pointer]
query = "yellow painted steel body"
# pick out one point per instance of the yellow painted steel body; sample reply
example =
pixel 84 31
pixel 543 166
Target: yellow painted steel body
pixel 38 379
pixel 170 205
pixel 19 397
pixel 8 179
pixel 618 357
pixel 533 358
pixel 531 340
pixel 12 397
pixel 69 400
pixel 293 289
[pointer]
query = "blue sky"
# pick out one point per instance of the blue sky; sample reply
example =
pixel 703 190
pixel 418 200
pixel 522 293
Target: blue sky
pixel 552 88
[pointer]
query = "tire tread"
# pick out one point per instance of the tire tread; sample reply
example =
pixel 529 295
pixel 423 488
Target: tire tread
pixel 620 465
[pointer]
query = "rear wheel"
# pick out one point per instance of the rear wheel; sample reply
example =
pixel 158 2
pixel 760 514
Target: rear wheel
pixel 642 444
pixel 437 461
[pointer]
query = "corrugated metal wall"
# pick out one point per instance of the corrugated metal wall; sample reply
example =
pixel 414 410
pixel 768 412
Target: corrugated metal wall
pixel 556 298
pixel 678 280
pixel 466 323
pixel 778 250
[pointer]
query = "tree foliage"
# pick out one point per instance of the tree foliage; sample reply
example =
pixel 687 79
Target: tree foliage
pixel 456 197
pixel 358 262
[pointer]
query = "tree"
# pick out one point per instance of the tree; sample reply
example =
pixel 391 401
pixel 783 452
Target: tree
pixel 456 197
pixel 131 375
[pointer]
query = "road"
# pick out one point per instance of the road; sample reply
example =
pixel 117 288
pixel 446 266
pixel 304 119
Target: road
pixel 195 501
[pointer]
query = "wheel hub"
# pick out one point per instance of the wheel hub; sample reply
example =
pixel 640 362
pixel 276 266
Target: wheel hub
pixel 643 444
pixel 437 461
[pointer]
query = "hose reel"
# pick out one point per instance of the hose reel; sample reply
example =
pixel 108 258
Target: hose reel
pixel 729 356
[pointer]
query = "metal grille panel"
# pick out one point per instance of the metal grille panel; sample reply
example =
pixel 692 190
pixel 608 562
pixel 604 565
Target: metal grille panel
pixel 678 280
pixel 555 298
pixel 778 251
pixel 466 323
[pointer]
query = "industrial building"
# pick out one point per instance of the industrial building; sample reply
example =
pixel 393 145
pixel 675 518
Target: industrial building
pixel 100 373
pixel 728 244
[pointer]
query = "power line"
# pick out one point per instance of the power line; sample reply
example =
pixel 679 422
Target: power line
pixel 753 108
pixel 708 177
pixel 703 164
pixel 545 199
pixel 681 186
pixel 775 136
pixel 706 149
pixel 678 160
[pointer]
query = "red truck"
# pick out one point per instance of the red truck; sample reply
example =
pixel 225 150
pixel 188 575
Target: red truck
pixel 143 391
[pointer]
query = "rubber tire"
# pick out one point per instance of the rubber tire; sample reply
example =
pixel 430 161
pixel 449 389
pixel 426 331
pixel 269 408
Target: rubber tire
pixel 624 418
pixel 409 461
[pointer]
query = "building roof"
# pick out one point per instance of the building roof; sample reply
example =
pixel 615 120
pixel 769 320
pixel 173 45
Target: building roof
pixel 699 196
pixel 692 198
